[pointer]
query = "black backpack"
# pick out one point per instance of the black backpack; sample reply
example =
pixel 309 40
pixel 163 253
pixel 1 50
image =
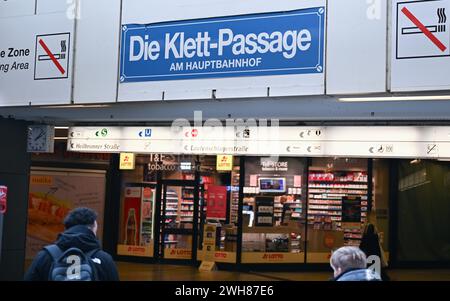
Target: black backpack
pixel 71 265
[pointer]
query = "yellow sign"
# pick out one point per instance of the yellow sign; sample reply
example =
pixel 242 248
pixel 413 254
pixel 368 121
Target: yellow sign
pixel 209 242
pixel 143 251
pixel 224 162
pixel 219 256
pixel 207 266
pixel 173 253
pixel 272 257
pixel 127 161
pixel 41 180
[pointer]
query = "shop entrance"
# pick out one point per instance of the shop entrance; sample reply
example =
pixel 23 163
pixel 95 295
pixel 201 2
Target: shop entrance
pixel 180 218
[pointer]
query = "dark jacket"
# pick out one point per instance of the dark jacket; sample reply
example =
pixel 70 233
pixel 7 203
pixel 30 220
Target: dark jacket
pixel 358 275
pixel 80 237
pixel 370 245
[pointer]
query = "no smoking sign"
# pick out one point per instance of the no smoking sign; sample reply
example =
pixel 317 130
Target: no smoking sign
pixel 423 29
pixel 52 56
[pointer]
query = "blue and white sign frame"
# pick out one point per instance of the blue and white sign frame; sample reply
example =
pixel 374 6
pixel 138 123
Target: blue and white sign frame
pixel 278 43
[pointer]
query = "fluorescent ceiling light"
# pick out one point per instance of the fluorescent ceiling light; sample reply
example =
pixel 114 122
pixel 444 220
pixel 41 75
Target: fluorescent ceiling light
pixel 394 98
pixel 61 127
pixel 60 138
pixel 73 106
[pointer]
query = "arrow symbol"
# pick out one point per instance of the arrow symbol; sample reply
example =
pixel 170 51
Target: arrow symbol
pixel 71 145
pixel 186 148
pixel 309 149
pixel 371 149
pixel 140 134
pixel 288 149
pixel 72 134
pixel 301 134
pixel 96 133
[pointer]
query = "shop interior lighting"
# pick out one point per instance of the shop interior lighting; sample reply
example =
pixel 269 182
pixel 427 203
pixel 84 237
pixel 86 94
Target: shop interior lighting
pixel 394 98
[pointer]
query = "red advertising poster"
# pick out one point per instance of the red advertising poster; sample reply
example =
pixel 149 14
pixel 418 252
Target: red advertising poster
pixel 3 194
pixel 216 206
pixel 52 194
pixel 132 215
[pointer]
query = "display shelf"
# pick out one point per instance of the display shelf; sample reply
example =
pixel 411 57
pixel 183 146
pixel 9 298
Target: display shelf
pixel 235 177
pixel 325 194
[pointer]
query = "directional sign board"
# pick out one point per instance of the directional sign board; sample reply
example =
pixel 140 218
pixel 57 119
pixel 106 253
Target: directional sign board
pixel 366 142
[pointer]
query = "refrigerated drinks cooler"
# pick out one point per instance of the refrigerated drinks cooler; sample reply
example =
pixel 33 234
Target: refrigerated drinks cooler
pixel 139 204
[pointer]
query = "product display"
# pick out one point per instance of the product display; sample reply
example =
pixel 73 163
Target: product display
pixel 264 211
pixel 234 192
pixel 171 210
pixel 148 201
pixel 326 193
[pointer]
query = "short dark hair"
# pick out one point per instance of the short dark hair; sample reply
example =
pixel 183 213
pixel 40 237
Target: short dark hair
pixel 80 216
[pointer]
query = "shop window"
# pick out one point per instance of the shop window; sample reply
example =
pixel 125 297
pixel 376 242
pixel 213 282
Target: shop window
pixel 379 209
pixel 337 205
pixel 423 211
pixel 220 188
pixel 179 178
pixel 274 214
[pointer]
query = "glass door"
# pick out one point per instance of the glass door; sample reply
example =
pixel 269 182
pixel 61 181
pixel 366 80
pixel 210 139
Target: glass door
pixel 178 227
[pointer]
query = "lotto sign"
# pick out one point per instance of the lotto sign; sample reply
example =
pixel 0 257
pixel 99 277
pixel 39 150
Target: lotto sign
pixel 52 56
pixel 423 29
pixel 252 45
pixel 224 162
pixel 127 161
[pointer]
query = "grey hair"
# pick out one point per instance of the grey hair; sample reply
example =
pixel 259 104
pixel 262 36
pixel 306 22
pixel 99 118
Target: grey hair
pixel 348 258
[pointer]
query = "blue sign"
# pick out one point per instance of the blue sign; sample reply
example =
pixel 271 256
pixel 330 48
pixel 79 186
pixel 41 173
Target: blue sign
pixel 251 45
pixel 146 133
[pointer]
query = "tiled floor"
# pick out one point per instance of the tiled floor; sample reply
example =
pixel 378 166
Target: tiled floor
pixel 164 272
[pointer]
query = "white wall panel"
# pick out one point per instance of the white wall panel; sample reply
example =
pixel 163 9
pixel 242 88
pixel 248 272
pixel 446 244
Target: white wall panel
pixel 356 46
pixel 97 51
pixel 30 77
pixel 56 6
pixel 14 8
pixel 146 12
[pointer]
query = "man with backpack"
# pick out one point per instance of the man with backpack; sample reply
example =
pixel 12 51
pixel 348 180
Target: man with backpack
pixel 76 254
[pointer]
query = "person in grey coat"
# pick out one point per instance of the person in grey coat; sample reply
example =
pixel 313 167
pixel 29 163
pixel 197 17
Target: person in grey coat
pixel 349 264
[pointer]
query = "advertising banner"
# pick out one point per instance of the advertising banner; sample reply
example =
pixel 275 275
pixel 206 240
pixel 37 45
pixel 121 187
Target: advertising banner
pixel 216 207
pixel 3 199
pixel 351 212
pixel 52 195
pixel 132 206
pixel 276 43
